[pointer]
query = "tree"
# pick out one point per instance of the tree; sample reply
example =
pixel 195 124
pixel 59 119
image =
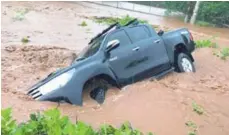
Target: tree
pixel 212 12
pixel 189 11
pixel 195 12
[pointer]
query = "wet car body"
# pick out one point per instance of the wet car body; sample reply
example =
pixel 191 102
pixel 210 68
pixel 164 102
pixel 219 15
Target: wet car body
pixel 136 56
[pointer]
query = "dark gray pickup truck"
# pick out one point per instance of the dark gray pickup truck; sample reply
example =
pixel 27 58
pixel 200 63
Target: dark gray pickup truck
pixel 118 56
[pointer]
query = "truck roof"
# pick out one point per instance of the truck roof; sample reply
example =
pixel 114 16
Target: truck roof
pixel 115 26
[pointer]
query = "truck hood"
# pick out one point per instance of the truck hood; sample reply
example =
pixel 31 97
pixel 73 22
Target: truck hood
pixel 75 64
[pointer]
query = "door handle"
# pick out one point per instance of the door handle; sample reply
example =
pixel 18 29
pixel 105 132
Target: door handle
pixel 136 49
pixel 157 41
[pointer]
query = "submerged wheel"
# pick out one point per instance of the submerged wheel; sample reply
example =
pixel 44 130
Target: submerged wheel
pixel 98 94
pixel 97 89
pixel 184 63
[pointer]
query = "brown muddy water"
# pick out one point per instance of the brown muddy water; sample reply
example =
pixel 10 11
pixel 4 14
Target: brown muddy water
pixel 160 106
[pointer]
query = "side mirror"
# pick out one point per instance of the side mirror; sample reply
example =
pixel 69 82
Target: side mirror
pixel 112 45
pixel 160 33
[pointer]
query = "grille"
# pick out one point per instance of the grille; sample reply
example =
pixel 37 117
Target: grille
pixel 35 93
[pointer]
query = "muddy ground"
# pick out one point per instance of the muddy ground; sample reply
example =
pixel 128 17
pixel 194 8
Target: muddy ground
pixel 160 106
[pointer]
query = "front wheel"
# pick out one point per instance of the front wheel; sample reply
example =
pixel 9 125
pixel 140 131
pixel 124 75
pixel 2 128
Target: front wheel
pixel 97 89
pixel 184 63
pixel 98 94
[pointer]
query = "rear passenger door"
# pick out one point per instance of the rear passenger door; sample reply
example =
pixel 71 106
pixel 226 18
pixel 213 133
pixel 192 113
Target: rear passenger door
pixel 154 58
pixel 122 60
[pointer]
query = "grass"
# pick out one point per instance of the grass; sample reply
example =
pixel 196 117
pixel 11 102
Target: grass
pixel 20 14
pixel 197 108
pixel 83 24
pixel 191 124
pixel 192 127
pixel 223 53
pixel 204 24
pixel 111 20
pixel 191 133
pixel 206 43
pixel 25 40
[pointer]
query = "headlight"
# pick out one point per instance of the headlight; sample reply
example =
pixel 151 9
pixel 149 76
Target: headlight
pixel 57 82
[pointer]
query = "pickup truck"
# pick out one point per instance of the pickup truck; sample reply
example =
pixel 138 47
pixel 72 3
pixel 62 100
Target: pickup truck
pixel 118 56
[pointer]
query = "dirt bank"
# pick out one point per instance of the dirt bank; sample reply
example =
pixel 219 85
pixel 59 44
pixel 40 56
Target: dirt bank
pixel 23 64
pixel 161 106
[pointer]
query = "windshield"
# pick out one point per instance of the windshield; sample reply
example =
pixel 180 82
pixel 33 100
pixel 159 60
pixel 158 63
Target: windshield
pixel 92 48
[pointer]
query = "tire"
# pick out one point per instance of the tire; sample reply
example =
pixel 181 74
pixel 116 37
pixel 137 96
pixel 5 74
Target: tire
pixel 97 89
pixel 184 63
pixel 98 94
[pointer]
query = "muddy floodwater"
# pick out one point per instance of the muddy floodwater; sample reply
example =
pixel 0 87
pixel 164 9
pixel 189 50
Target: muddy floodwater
pixel 161 106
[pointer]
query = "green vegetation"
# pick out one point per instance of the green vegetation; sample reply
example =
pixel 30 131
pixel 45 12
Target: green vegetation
pixel 204 24
pixel 223 53
pixel 7 124
pixel 213 12
pixel 197 108
pixel 83 24
pixel 111 20
pixel 192 127
pixel 52 123
pixel 191 133
pixel 210 13
pixel 191 124
pixel 20 14
pixel 25 40
pixel 206 43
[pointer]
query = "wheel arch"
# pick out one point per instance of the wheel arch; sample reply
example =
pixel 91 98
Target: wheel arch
pixel 103 76
pixel 181 48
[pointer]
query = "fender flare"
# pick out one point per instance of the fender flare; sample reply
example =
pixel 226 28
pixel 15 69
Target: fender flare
pixel 90 71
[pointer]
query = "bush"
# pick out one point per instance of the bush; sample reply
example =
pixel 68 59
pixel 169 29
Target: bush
pixel 197 108
pixel 111 20
pixel 206 43
pixel 52 123
pixel 8 125
pixel 215 12
pixel 223 53
pixel 25 39
pixel 192 128
pixel 83 24
pixel 204 24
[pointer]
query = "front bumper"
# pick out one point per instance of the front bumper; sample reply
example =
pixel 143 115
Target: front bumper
pixel 70 93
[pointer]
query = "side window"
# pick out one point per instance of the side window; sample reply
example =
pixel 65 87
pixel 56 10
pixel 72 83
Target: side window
pixel 147 30
pixel 137 33
pixel 121 36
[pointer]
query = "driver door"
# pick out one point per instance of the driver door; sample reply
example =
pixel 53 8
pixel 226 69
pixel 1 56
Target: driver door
pixel 122 60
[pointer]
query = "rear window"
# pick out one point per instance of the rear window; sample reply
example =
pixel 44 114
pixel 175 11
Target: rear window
pixel 137 33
